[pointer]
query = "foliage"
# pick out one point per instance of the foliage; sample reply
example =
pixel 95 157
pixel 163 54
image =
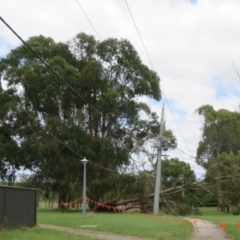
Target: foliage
pixel 197 211
pixel 9 149
pixel 178 173
pixel 220 133
pixel 208 199
pixel 235 210
pixel 183 209
pixel 177 208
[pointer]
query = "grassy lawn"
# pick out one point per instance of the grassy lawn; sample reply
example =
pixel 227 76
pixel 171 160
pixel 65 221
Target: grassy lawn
pixel 213 215
pixel 40 234
pixel 120 223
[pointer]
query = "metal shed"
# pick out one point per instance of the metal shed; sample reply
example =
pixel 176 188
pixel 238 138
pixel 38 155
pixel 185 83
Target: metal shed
pixel 18 207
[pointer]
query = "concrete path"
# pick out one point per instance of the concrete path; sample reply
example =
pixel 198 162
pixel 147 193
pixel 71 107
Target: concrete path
pixel 206 230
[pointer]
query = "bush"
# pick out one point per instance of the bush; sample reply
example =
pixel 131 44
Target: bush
pixel 196 211
pixel 235 210
pixel 183 209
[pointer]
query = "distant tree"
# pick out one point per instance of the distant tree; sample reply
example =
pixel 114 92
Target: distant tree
pixel 218 153
pixel 178 173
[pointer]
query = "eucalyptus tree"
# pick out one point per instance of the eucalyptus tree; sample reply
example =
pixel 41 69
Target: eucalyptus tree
pixel 218 152
pixel 87 107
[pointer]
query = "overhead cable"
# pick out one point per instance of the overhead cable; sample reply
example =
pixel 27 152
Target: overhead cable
pixel 88 19
pixel 154 70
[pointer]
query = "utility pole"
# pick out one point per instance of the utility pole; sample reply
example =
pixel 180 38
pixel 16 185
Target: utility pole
pixel 183 193
pixel 158 173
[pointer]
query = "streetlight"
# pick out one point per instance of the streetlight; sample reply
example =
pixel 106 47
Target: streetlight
pixel 84 161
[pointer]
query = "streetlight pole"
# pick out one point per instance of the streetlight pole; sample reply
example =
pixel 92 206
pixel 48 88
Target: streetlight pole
pixel 84 161
pixel 158 173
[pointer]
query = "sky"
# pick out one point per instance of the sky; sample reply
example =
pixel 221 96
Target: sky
pixel 191 44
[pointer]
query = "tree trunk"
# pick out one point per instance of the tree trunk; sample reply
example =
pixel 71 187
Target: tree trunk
pixel 62 197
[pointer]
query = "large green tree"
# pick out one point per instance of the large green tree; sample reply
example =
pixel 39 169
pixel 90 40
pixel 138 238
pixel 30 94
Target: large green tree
pixel 218 153
pixel 91 110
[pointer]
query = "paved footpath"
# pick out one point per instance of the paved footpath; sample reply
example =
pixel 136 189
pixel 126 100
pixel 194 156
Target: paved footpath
pixel 207 230
pixel 203 230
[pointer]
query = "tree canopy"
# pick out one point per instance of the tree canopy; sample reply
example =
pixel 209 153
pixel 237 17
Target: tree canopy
pixel 220 133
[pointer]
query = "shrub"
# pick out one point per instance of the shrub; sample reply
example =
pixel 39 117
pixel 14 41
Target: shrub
pixel 196 211
pixel 235 210
pixel 183 209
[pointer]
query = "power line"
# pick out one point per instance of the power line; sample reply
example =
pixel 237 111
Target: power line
pixel 88 19
pixel 154 70
pixel 185 153
pixel 139 35
pixel 175 121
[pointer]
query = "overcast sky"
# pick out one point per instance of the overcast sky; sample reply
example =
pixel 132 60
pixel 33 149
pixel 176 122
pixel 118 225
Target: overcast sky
pixel 192 44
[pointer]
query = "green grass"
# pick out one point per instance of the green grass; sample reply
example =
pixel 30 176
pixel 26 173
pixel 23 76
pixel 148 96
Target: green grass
pixel 211 214
pixel 119 223
pixel 40 234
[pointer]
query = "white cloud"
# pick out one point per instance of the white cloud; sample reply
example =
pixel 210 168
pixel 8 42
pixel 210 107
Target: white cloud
pixel 190 46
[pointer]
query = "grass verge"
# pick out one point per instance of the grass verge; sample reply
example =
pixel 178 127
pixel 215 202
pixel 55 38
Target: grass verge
pixel 40 234
pixel 120 223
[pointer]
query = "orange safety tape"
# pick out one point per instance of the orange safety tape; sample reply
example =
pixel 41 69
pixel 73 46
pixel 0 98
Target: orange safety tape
pixel 69 204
